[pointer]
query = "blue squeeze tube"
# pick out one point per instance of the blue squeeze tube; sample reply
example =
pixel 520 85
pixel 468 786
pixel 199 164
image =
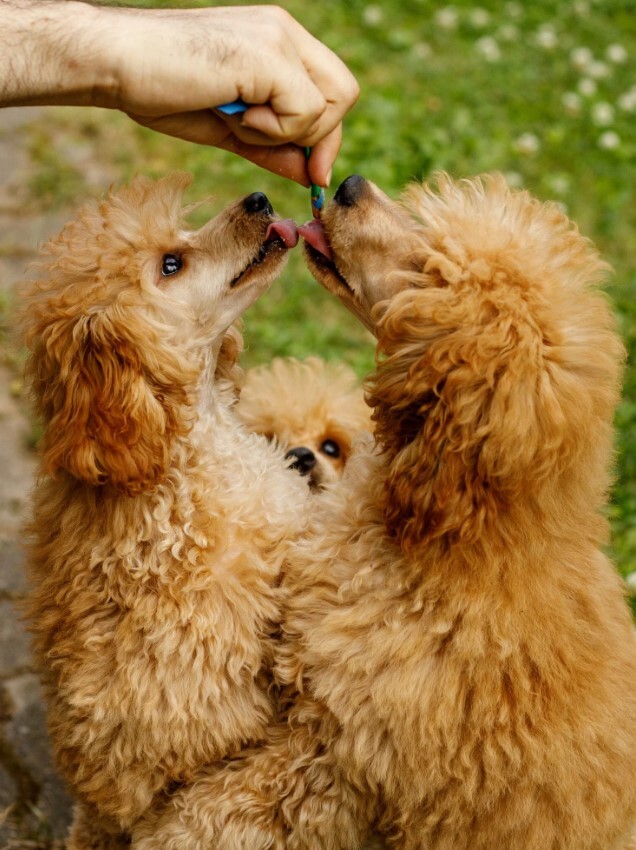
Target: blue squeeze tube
pixel 234 108
pixel 317 192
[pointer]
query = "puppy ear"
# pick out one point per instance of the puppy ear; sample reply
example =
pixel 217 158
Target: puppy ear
pixel 479 404
pixel 110 406
pixel 429 405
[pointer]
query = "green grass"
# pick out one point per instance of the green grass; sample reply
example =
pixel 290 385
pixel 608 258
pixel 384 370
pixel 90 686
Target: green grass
pixel 544 92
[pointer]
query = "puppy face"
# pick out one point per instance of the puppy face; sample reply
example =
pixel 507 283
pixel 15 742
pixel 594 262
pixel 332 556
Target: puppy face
pixel 360 248
pixel 313 409
pixel 128 308
pixel 207 277
pixel 219 270
pixel 499 366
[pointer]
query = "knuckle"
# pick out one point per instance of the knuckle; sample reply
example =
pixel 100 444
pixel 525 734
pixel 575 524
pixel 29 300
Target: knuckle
pixel 280 18
pixel 314 133
pixel 353 91
pixel 305 122
pixel 347 93
pixel 315 108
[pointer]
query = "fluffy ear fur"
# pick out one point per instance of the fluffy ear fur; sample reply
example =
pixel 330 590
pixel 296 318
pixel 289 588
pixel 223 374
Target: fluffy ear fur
pixel 227 365
pixel 500 371
pixel 111 409
pixel 108 378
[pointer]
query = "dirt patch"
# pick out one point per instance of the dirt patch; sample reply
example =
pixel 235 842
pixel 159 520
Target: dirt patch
pixel 35 808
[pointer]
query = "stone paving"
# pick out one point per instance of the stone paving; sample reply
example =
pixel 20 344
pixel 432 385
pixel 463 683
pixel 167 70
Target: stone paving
pixel 34 807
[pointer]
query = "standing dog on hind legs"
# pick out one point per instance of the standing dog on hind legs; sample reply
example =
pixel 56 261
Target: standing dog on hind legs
pixel 160 524
pixel 459 657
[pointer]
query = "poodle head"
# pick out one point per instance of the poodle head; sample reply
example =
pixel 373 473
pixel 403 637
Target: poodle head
pixel 128 312
pixel 311 408
pixel 498 363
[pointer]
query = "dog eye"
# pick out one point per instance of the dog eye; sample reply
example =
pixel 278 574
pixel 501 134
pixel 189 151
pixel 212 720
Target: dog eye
pixel 170 264
pixel 330 448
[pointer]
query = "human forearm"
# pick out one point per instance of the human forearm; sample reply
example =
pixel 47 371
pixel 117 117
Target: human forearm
pixel 50 53
pixel 168 69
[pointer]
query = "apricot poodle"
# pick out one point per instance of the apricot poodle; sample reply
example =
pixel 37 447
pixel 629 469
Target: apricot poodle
pixel 458 657
pixel 160 523
pixel 312 408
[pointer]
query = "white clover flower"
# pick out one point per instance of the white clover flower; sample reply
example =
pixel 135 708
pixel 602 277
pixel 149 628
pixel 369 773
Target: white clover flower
pixel 488 48
pixel 587 87
pixel 372 16
pixel 546 37
pixel 602 113
pixel 581 57
pixel 571 102
pixel 446 18
pixel 514 179
pixel 560 183
pixel 627 101
pixel 422 50
pixel 479 17
pixel 616 53
pixel 598 70
pixel 508 32
pixel 630 581
pixel 609 140
pixel 527 144
pixel 514 9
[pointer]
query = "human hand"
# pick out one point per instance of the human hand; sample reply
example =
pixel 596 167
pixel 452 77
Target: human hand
pixel 168 68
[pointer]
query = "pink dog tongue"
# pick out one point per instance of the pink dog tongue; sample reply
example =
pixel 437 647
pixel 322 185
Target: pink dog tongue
pixel 285 230
pixel 314 233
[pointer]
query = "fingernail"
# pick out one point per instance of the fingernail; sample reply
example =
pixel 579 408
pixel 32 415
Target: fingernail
pixel 328 179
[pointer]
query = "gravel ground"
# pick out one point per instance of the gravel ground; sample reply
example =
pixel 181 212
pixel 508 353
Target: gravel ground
pixel 34 806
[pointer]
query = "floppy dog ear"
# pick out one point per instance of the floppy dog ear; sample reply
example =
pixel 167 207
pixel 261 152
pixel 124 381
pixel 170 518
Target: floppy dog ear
pixel 111 406
pixel 476 407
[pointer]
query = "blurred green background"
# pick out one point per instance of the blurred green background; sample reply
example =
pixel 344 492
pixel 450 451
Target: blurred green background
pixel 544 91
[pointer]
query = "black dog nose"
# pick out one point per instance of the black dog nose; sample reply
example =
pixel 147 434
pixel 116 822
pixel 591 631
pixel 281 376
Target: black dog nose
pixel 258 202
pixel 349 190
pixel 305 459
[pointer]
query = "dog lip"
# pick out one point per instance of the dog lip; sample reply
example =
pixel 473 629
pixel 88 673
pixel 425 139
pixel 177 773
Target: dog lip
pixel 281 234
pixel 313 232
pixel 284 229
pixel 319 250
pixel 328 266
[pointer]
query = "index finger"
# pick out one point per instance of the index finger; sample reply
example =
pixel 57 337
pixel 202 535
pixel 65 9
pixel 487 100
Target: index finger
pixel 205 128
pixel 286 160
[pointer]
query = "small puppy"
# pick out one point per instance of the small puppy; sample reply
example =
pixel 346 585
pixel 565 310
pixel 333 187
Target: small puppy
pixel 313 409
pixel 159 524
